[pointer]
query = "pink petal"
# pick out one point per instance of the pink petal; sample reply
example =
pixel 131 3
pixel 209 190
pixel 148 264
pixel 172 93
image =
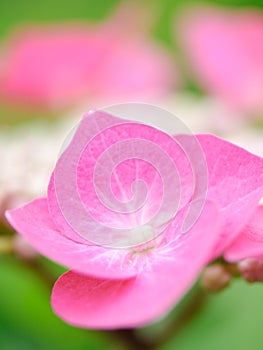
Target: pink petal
pixel 235 183
pixel 249 243
pixel 168 273
pixel 34 223
pixel 73 199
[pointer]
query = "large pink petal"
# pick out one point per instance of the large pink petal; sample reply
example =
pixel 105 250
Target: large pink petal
pixel 235 183
pixel 34 223
pixel 249 244
pixel 73 200
pixel 167 274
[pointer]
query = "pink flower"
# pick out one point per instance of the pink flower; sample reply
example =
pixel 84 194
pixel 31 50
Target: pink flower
pixel 225 50
pixel 57 66
pixel 119 288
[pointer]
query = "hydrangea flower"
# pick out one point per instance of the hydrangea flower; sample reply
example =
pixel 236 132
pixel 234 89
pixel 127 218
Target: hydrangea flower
pixel 225 49
pixel 120 288
pixel 61 65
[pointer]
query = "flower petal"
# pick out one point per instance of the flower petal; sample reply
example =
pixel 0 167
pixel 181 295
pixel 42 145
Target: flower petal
pixel 249 244
pixel 105 304
pixel 235 183
pixel 34 223
pixel 73 195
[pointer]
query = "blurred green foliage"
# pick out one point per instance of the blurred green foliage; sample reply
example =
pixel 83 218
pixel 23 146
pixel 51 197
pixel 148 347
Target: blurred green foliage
pixel 231 319
pixel 26 319
pixel 17 12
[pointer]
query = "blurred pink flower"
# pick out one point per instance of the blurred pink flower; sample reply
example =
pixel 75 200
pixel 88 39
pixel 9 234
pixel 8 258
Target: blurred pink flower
pixel 57 66
pixel 225 51
pixel 120 288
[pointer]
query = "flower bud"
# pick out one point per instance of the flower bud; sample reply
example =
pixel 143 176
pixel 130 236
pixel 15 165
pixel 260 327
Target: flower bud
pixel 251 270
pixel 216 277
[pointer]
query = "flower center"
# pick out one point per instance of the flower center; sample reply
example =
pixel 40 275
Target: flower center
pixel 141 234
pixel 145 234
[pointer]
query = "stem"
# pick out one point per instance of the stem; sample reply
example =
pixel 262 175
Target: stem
pixel 134 341
pixel 39 268
pixel 185 316
pixel 6 245
pixel 131 340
